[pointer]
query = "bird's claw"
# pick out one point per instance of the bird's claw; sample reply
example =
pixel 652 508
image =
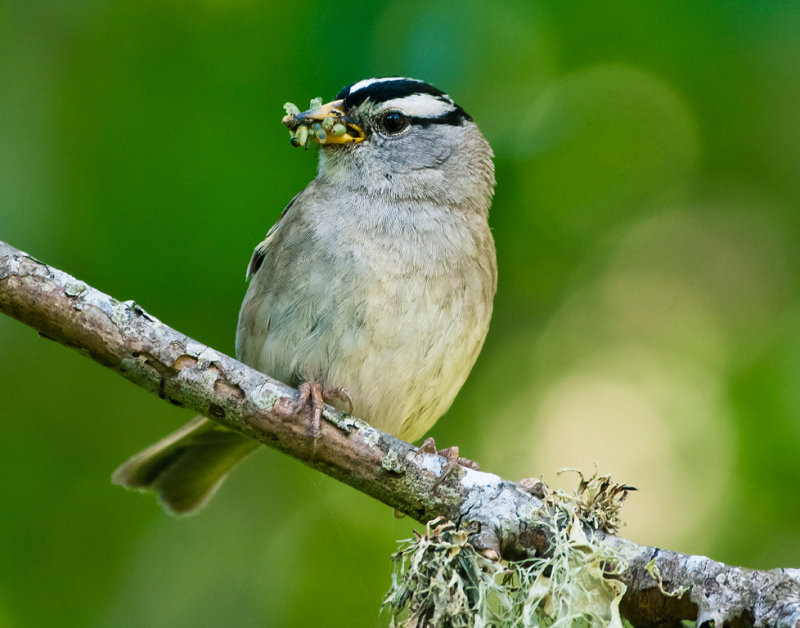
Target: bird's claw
pixel 450 454
pixel 342 394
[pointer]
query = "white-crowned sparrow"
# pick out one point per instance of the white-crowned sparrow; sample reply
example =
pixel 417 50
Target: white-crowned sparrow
pixel 378 278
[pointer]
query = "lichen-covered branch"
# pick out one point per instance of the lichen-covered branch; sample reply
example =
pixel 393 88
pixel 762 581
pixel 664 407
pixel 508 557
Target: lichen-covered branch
pixel 663 587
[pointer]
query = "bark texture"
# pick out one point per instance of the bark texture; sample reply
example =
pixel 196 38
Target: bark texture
pixel 664 587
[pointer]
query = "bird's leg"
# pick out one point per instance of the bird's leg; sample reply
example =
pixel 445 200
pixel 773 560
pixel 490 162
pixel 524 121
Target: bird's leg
pixel 453 459
pixel 311 392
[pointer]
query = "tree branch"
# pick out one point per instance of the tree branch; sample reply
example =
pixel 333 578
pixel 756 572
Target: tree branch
pixel 125 338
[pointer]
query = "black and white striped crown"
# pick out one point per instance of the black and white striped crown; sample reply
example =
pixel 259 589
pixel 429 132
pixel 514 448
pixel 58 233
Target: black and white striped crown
pixel 421 100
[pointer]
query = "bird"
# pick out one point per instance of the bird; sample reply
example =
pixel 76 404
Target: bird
pixel 373 290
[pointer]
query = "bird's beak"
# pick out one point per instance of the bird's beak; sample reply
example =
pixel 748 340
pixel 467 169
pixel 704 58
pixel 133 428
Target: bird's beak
pixel 327 124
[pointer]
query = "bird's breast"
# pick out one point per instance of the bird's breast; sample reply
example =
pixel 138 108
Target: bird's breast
pixel 397 320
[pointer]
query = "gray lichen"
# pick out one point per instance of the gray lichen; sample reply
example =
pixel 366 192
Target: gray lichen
pixel 391 462
pixel 75 288
pixel 264 397
pixel 440 579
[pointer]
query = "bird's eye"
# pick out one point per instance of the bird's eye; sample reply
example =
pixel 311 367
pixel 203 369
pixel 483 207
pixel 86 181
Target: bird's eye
pixel 393 122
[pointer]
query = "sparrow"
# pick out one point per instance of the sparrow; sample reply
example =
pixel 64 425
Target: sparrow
pixel 374 288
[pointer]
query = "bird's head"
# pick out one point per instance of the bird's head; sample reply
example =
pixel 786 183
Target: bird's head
pixel 399 137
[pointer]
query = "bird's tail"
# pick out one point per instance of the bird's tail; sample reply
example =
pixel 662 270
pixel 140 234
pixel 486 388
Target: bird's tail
pixel 187 467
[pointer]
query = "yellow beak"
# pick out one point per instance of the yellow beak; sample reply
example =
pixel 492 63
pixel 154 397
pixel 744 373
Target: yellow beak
pixel 327 124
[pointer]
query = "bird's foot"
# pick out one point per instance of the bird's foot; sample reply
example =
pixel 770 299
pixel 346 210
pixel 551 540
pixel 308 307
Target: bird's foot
pixel 453 460
pixel 312 393
pixel 342 394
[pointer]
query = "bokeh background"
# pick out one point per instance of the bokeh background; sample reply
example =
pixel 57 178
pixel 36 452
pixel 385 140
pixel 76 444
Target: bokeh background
pixel 647 220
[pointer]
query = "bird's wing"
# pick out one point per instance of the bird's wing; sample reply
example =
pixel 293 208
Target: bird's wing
pixel 261 249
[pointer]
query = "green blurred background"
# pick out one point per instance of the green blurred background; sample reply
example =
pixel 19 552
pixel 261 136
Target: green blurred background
pixel 647 318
